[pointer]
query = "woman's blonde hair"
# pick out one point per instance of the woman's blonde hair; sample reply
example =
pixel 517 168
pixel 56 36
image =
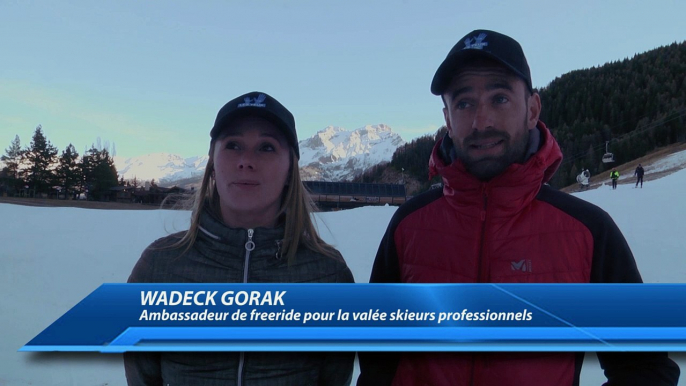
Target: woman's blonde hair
pixel 296 206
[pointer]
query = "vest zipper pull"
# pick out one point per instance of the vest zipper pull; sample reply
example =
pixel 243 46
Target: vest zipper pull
pixel 250 245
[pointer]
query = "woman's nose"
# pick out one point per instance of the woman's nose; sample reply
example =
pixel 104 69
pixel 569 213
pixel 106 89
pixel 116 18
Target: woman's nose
pixel 245 161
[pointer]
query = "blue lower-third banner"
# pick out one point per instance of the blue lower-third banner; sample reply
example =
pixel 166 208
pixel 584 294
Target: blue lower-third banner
pixel 372 317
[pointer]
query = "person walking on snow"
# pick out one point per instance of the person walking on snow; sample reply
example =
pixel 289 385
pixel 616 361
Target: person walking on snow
pixel 583 179
pixel 639 175
pixel 587 175
pixel 614 175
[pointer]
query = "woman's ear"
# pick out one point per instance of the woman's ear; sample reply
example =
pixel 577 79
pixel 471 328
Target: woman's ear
pixel 294 163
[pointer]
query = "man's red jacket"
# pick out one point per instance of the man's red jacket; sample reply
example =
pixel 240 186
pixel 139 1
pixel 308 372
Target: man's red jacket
pixel 511 229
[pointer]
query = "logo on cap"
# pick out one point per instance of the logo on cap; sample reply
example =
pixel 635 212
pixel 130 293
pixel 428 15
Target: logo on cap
pixel 476 43
pixel 258 101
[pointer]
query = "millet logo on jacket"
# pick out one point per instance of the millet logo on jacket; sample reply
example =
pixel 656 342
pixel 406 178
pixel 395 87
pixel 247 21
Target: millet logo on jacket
pixel 522 265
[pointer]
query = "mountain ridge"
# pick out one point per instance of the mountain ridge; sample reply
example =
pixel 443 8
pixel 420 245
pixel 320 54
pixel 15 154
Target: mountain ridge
pixel 331 154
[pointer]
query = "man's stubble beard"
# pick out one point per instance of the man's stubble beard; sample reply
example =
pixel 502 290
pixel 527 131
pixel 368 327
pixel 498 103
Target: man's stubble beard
pixel 489 167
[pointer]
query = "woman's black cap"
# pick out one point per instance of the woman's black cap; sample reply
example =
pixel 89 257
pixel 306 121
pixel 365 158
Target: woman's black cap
pixel 258 104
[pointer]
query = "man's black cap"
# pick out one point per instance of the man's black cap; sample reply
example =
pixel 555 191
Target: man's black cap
pixel 258 104
pixel 482 43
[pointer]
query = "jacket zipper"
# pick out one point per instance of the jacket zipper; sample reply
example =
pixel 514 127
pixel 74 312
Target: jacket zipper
pixel 249 246
pixel 471 380
pixel 480 275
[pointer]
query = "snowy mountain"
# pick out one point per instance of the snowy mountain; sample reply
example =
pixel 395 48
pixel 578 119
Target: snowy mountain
pixel 335 154
pixel 164 168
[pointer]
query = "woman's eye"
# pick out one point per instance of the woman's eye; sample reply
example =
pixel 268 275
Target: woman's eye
pixel 267 147
pixel 232 145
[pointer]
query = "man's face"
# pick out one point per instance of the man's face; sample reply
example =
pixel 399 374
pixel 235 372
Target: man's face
pixel 489 112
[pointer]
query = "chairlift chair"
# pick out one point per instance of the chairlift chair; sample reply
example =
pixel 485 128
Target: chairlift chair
pixel 608 157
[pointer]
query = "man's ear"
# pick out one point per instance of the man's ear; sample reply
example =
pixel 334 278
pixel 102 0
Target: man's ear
pixel 447 121
pixel 534 110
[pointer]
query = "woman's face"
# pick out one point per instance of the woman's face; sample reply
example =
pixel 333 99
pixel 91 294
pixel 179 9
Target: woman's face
pixel 251 164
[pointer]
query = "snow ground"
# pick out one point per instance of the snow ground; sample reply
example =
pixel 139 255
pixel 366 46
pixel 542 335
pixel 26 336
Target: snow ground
pixel 51 258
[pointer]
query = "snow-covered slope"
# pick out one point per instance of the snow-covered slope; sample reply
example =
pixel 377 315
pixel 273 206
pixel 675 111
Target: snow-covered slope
pixel 45 276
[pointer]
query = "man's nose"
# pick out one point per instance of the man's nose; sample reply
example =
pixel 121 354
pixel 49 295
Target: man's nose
pixel 483 117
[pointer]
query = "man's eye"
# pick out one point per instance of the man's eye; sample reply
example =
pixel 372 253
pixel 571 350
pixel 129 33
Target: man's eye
pixel 500 99
pixel 461 105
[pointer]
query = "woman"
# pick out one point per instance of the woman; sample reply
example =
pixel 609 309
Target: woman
pixel 250 224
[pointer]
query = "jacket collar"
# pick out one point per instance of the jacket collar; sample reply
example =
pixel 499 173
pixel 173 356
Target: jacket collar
pixel 508 192
pixel 216 232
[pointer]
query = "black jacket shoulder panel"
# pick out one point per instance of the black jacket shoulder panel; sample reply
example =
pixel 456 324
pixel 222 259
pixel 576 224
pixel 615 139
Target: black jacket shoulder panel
pixel 581 210
pixel 386 268
pixel 613 261
pixel 414 204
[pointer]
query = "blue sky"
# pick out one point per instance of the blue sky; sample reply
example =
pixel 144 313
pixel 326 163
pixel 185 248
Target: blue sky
pixel 150 76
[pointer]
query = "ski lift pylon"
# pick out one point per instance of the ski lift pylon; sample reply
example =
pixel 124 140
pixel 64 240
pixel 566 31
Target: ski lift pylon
pixel 608 157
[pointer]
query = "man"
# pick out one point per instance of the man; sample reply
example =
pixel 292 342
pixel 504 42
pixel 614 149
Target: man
pixel 614 176
pixel 639 176
pixel 493 211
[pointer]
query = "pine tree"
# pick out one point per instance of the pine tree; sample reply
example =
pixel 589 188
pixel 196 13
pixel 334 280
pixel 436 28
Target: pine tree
pixel 68 171
pixel 40 157
pixel 573 172
pixel 12 158
pixel 98 173
pixel 10 181
pixel 591 158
